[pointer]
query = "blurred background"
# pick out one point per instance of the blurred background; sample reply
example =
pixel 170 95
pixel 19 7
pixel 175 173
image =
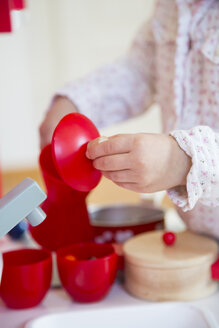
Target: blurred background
pixel 58 41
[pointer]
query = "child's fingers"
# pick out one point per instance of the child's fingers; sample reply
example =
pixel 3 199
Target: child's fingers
pixel 113 145
pixel 112 162
pixel 131 186
pixel 125 176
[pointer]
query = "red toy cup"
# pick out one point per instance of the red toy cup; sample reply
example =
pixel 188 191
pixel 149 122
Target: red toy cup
pixel 26 277
pixel 87 270
pixel 69 144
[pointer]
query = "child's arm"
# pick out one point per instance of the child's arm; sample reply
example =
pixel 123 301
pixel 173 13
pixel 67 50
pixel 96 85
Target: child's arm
pixel 201 143
pixel 186 163
pixel 58 109
pixel 113 93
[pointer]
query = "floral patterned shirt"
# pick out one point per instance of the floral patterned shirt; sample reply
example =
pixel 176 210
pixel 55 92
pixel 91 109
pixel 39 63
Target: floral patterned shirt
pixel 174 61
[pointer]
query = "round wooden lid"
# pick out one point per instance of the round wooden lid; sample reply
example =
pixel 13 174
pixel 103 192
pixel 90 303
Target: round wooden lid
pixel 189 249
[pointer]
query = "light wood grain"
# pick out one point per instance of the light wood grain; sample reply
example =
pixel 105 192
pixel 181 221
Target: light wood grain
pixel 149 250
pixel 155 271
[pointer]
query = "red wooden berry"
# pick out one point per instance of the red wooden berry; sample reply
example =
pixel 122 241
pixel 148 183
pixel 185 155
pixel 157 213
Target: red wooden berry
pixel 169 238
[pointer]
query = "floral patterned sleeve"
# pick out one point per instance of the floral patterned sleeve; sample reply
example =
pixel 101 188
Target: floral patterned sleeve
pixel 120 90
pixel 201 143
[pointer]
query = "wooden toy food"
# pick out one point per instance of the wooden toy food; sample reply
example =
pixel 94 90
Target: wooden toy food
pixel 156 271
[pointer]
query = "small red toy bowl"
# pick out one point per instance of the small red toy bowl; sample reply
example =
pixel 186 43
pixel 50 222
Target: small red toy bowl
pixel 69 144
pixel 87 270
pixel 26 277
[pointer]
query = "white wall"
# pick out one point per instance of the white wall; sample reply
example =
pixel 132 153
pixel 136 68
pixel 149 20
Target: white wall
pixel 60 40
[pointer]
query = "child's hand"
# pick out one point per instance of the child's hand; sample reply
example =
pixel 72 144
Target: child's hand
pixel 141 162
pixel 61 107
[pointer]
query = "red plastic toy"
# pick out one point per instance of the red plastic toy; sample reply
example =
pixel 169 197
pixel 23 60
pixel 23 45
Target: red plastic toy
pixel 26 277
pixel 67 219
pixel 5 13
pixel 69 144
pixel 215 270
pixel 5 16
pixel 18 4
pixel 90 276
pixel 169 238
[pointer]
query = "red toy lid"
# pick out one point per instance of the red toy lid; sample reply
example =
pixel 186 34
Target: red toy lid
pixel 69 144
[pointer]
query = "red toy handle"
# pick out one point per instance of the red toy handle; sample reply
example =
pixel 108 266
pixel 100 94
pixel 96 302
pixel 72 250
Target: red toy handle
pixel 215 270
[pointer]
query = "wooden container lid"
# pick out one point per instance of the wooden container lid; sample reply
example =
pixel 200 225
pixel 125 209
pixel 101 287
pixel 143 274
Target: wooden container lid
pixel 190 249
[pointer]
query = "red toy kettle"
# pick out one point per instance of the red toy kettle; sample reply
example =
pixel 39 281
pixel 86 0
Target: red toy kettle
pixel 67 218
pixel 69 175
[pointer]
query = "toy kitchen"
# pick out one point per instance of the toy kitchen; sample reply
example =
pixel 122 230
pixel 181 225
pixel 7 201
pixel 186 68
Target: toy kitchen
pixel 72 267
pixel 66 264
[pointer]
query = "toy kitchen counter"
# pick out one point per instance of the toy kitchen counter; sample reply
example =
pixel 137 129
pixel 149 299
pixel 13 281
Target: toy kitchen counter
pixel 118 309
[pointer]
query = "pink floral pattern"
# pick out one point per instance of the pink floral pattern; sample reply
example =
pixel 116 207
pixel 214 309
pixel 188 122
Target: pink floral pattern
pixel 173 61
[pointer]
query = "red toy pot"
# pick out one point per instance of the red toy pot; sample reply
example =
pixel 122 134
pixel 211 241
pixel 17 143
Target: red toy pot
pixel 87 270
pixel 67 218
pixel 116 223
pixel 26 277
